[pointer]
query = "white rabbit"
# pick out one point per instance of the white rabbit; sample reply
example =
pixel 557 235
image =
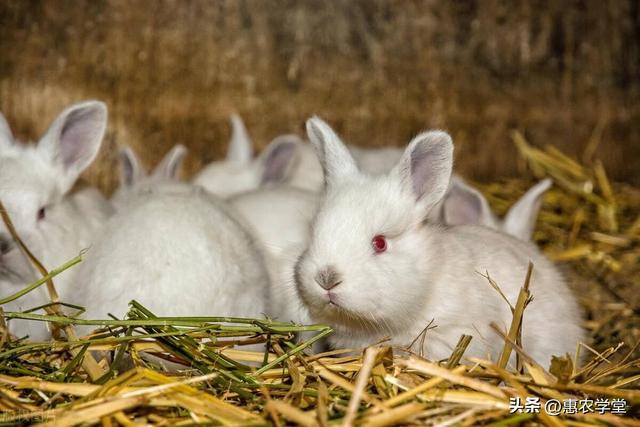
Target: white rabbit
pixel 280 218
pixel 177 253
pixel 278 215
pixel 464 204
pixel 134 181
pixel 55 226
pixel 375 268
pixel 375 160
pixel 241 172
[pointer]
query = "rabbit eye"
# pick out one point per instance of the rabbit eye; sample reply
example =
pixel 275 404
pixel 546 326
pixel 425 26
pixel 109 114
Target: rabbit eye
pixel 379 243
pixel 41 214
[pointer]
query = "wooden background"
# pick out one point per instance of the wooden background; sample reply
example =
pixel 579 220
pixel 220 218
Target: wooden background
pixel 565 73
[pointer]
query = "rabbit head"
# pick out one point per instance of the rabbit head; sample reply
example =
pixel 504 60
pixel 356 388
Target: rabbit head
pixel 364 254
pixel 241 172
pixel 233 174
pixel 135 181
pixel 36 177
pixel 464 204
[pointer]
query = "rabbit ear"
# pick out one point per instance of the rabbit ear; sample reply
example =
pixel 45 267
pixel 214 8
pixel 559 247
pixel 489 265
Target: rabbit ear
pixel 425 168
pixel 464 204
pixel 73 140
pixel 130 170
pixel 335 158
pixel 6 137
pixel 240 146
pixel 520 221
pixel 169 166
pixel 279 158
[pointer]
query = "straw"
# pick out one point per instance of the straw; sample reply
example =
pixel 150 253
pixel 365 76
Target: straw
pixel 588 224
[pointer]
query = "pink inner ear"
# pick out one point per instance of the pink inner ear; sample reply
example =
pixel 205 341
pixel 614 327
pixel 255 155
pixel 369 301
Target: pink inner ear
pixel 462 207
pixel 423 173
pixel 77 137
pixel 278 161
pixel 128 168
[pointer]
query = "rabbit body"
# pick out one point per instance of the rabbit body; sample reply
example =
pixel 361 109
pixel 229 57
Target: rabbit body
pixel 280 218
pixel 177 253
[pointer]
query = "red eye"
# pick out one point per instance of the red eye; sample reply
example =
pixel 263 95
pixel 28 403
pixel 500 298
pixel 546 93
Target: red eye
pixel 379 243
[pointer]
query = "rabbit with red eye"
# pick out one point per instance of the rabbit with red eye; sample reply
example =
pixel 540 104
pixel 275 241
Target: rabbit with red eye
pixel 54 222
pixel 374 268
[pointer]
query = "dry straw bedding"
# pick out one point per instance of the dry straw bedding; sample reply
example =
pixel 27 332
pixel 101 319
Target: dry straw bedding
pixel 118 375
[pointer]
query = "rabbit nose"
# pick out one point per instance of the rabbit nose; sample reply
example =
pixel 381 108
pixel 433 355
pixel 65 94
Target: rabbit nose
pixel 328 278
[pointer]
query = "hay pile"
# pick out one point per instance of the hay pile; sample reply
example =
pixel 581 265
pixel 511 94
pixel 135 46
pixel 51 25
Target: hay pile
pixel 118 375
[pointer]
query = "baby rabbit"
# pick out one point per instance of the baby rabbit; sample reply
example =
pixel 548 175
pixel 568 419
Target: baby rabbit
pixel 179 252
pixel 464 204
pixel 280 218
pixel 241 172
pixel 375 268
pixel 35 180
pixel 134 181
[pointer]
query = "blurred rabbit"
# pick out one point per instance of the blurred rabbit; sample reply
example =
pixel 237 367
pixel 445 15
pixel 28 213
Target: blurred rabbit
pixel 374 268
pixel 35 184
pixel 241 172
pixel 280 218
pixel 375 160
pixel 464 204
pixel 134 181
pixel 180 252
